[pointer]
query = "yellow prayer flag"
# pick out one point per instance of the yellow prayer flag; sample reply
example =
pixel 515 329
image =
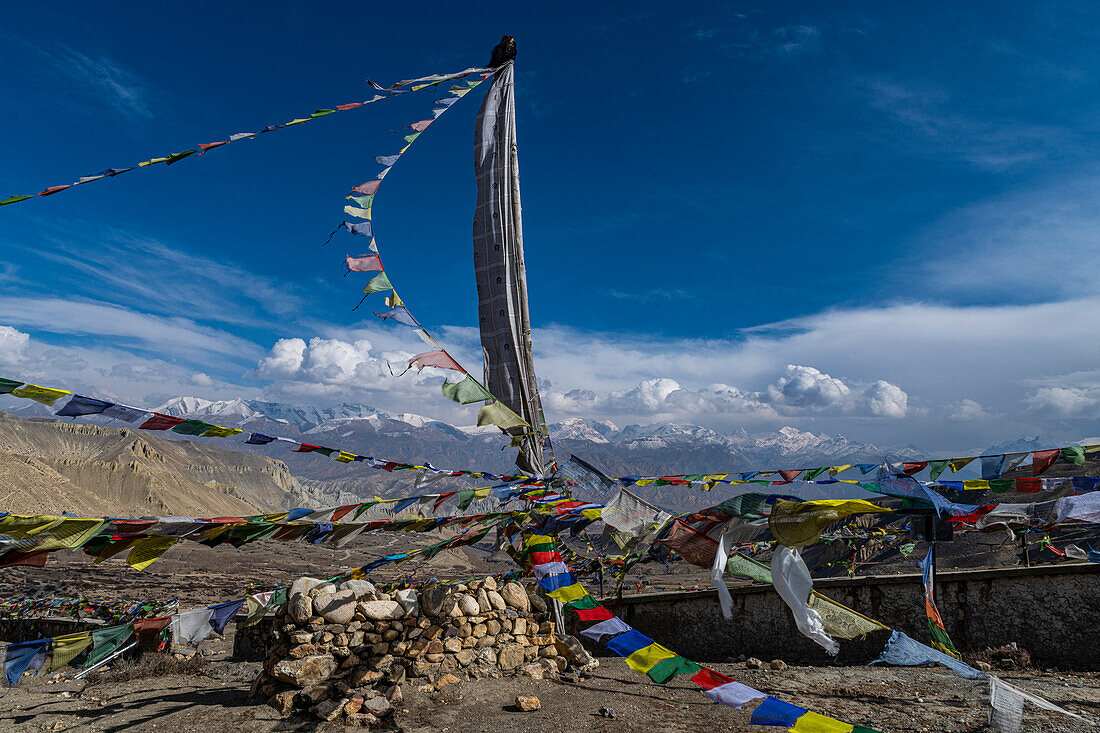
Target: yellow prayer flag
pixel 976 484
pixel 276 517
pixel 569 593
pixel 647 657
pixel 343 456
pixel 147 550
pixel 839 469
pixel 536 539
pixel 113 549
pixel 811 722
pixel 65 649
pixel 298 121
pixel 957 464
pixel 800 523
pixel 219 432
pixel 482 493
pixel 357 212
pixel 592 513
pixel 45 395
pixel 499 414
pixel 841 621
pixel 68 534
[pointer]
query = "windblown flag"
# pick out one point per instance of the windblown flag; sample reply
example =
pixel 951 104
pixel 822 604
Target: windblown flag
pixel 938 632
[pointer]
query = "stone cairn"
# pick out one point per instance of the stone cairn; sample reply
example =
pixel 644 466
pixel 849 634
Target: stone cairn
pixel 343 652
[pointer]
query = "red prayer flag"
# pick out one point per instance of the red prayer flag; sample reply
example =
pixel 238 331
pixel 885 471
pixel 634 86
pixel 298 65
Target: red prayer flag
pixel 160 422
pixel 708 679
pixel 367 188
pixel 306 448
pixel 352 105
pixel 440 359
pixel 420 126
pixel 1041 460
pixel 974 515
pixel 210 146
pixel 789 476
pixel 599 613
pixel 54 189
pixel 541 558
pixel 914 467
pixel 366 263
pixel 25 559
pixel 150 627
pixel 342 512
pixel 1028 484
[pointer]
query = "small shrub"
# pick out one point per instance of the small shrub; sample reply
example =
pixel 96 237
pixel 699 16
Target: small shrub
pixel 150 664
pixel 1004 657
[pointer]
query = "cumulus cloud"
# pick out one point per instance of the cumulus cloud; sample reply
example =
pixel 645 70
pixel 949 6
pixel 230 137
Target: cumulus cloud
pixel 806 387
pixel 13 345
pixel 201 379
pixel 801 390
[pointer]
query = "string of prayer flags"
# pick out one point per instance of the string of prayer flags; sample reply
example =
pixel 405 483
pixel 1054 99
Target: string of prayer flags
pixel 203 148
pixel 643 654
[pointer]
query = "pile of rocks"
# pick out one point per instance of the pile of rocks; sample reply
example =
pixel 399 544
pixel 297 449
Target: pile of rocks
pixel 343 652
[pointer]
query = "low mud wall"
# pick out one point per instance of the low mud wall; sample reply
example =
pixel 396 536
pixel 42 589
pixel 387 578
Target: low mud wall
pixel 29 629
pixel 1051 611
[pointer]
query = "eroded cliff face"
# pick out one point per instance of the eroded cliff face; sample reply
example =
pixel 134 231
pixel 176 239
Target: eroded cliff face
pixel 50 466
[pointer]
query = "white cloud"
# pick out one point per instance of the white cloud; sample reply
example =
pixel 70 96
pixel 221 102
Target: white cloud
pixel 968 410
pixel 1065 401
pixel 13 345
pixel 201 379
pixel 806 387
pixel 103 80
pixel 886 400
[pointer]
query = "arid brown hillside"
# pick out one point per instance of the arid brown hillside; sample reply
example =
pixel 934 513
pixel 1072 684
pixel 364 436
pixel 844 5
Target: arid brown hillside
pixel 50 466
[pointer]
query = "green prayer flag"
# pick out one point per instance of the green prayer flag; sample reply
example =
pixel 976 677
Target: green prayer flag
pixel 364 201
pixel 666 669
pixel 377 284
pixel 14 200
pixel 322 113
pixel 7 385
pixel 935 468
pixel 177 157
pixel 409 138
pixel 813 473
pixel 191 427
pixel 1074 454
pixel 1001 485
pixel 466 391
pixel 739 564
pixel 465 498
pixel 327 452
pixel 105 641
pixel 583 604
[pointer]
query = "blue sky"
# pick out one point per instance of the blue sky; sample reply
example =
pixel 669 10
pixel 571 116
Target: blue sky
pixel 878 221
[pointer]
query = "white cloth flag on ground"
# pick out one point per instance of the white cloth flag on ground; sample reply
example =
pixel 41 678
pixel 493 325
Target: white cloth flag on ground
pixel 733 694
pixel 191 627
pixel 792 581
pixel 1006 706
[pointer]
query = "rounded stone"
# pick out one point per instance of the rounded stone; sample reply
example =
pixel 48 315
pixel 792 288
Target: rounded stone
pixel 496 600
pixel 336 608
pixel 381 610
pixel 359 587
pixel 300 607
pixel 468 605
pixel 513 595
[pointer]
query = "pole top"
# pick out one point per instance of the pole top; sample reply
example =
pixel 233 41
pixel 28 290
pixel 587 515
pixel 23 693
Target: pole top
pixel 504 52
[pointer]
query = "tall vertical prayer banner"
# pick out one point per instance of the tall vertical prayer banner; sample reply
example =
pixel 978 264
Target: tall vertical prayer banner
pixel 500 273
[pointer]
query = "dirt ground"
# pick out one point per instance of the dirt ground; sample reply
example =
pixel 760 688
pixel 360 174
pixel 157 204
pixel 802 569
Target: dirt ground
pixel 901 699
pixel 910 699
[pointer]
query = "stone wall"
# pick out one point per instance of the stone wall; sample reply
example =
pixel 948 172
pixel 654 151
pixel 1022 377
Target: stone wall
pixel 1050 611
pixel 342 653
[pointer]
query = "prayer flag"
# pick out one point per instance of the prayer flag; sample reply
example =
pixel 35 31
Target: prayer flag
pixel 609 627
pixel 364 263
pixel 177 157
pixel 991 466
pixel 81 405
pixel 774 711
pixel 439 359
pixel 106 641
pixel 377 284
pixel 1074 454
pixel 568 593
pixel 957 464
pixel 223 612
pixel 18 656
pixel 938 467
pixel 66 648
pixel 7 385
pixel 216 431
pixel 1041 460
pixel 146 551
pixel 44 395
pixel 191 627
pixel 14 199
pixel 191 427
pixel 365 228
pixel 401 315
pixel 668 668
pixel 499 414
pixel 160 422
pixel 367 188
pixel 259 439
pixel 148 629
pixel 812 722
pixel 126 413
